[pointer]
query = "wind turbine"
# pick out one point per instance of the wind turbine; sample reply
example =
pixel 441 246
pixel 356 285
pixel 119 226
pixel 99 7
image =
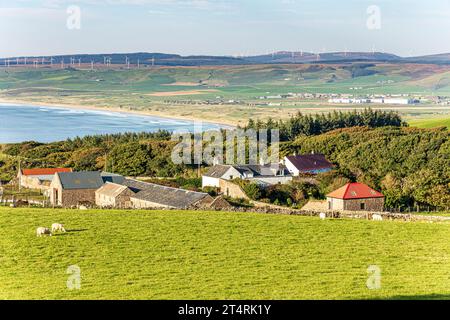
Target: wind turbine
pixel 153 61
pixel 51 61
pixel 62 63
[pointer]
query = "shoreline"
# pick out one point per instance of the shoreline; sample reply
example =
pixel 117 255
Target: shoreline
pixel 25 103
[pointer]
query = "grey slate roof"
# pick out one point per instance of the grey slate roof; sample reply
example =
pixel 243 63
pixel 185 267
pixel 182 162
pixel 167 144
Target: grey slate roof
pixel 87 179
pixel 112 177
pixel 167 196
pixel 80 180
pixel 217 171
pixel 310 162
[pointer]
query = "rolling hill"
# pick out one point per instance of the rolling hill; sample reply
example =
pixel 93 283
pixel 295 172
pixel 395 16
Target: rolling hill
pixel 281 57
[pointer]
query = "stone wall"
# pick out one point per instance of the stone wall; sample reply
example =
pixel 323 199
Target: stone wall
pixel 72 198
pixel 232 190
pixel 370 204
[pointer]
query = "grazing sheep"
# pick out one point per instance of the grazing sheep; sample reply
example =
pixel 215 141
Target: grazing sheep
pixel 58 227
pixel 42 231
pixel 322 216
pixel 377 217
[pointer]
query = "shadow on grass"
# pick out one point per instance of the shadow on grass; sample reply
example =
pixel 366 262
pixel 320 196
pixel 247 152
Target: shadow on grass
pixel 422 297
pixel 68 232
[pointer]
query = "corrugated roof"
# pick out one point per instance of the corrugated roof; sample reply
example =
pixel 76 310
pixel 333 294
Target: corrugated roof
pixel 310 162
pixel 167 196
pixel 44 171
pixel 111 189
pixel 355 190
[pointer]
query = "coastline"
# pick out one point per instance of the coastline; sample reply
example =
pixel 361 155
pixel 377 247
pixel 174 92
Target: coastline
pixel 112 109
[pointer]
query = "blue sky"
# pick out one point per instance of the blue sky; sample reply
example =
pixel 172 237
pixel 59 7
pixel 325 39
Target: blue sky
pixel 223 27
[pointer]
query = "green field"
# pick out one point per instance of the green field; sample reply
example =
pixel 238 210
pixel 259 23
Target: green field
pixel 165 90
pixel 209 255
pixel 431 123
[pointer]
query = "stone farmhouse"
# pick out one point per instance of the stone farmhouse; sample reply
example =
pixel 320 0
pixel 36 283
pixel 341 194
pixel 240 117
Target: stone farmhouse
pixel 307 164
pixel 39 179
pixel 108 190
pixel 113 195
pixel 267 174
pixel 355 197
pixel 150 195
pixel 143 195
pixel 70 189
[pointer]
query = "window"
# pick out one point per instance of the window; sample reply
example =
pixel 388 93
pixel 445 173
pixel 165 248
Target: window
pixel 329 205
pixel 363 206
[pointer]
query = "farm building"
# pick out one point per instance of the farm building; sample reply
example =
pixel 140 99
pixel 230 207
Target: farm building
pixel 262 174
pixel 307 164
pixel 356 197
pixel 38 178
pixel 69 189
pixel 150 195
pixel 113 195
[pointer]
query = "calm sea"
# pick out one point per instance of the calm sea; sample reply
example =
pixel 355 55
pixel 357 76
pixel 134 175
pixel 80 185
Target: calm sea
pixel 46 124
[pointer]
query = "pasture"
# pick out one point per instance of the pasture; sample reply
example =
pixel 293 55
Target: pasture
pixel 212 255
pixel 431 122
pixel 196 92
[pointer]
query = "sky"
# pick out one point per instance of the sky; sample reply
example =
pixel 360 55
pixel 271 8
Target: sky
pixel 223 27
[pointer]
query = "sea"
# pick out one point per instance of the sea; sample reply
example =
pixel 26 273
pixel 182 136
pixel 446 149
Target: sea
pixel 20 123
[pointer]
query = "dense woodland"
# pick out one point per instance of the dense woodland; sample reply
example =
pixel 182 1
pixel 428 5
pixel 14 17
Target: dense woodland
pixel 410 166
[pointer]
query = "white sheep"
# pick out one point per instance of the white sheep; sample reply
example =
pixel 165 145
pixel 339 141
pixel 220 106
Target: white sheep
pixel 322 216
pixel 42 231
pixel 377 217
pixel 58 227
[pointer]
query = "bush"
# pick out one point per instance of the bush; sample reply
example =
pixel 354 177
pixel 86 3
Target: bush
pixel 253 191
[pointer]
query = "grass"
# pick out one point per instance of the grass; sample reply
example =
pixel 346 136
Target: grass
pixel 209 255
pixel 431 123
pixel 131 89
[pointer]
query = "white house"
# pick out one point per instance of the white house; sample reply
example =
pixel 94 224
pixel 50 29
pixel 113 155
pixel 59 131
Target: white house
pixel 262 174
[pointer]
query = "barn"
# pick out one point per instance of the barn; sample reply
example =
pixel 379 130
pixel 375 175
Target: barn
pixel 113 195
pixel 356 197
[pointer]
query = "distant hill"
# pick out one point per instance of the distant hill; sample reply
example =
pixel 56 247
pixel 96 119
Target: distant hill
pixel 281 57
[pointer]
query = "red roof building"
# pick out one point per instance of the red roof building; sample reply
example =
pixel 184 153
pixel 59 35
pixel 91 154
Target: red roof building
pixel 38 178
pixel 44 171
pixel 356 197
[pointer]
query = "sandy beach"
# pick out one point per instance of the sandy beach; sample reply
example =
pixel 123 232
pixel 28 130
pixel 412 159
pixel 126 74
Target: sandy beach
pixel 113 109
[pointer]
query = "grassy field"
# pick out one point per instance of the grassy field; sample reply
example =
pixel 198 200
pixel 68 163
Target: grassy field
pixel 165 90
pixel 431 123
pixel 200 255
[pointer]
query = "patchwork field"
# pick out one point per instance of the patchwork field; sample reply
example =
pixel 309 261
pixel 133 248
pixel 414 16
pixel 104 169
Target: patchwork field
pixel 209 255
pixel 196 92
